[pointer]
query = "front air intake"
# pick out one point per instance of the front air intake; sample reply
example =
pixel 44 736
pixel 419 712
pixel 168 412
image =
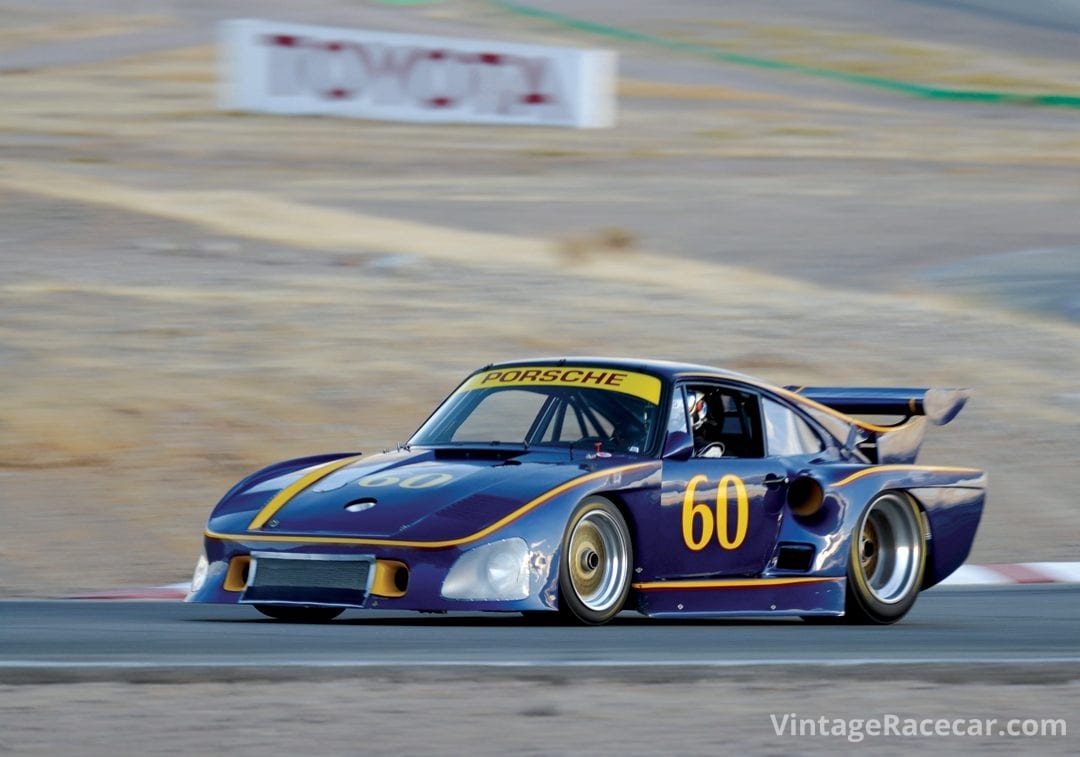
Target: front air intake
pixel 307 579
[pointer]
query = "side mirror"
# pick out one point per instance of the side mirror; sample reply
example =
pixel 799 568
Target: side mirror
pixel 679 445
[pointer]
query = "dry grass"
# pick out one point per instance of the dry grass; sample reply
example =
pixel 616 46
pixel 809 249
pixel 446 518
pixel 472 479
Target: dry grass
pixel 676 91
pixel 580 248
pixel 186 295
pixel 143 400
pixel 46 28
pixel 876 55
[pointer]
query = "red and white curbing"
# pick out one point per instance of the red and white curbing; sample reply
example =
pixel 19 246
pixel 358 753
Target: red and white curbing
pixel 967 575
pixel 172 591
pixel 1015 573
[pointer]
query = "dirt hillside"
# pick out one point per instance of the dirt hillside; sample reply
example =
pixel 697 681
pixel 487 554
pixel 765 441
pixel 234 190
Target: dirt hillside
pixel 187 294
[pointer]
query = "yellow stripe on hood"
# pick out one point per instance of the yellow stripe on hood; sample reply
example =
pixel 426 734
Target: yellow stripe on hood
pixel 282 497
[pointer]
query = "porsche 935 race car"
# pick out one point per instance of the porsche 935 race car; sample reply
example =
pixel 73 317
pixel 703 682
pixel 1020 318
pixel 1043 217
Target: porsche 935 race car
pixel 589 486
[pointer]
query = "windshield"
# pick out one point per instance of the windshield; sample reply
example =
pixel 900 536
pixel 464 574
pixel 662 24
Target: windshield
pixel 563 407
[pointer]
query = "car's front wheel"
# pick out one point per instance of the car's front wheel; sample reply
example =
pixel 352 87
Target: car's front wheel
pixel 300 613
pixel 596 564
pixel 888 557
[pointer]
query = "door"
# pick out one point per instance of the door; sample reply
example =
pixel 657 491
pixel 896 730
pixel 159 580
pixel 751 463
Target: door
pixel 720 508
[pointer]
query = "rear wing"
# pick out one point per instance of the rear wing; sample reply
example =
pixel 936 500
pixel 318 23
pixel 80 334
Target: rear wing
pixel 895 442
pixel 938 405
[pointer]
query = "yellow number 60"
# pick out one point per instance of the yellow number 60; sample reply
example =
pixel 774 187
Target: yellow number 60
pixel 718 524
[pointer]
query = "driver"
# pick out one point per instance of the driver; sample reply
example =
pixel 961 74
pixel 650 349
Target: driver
pixel 698 410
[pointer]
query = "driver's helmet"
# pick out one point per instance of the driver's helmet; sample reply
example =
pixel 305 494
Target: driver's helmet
pixel 696 408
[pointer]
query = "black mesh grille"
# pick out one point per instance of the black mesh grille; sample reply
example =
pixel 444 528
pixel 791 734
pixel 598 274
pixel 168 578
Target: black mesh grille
pixel 309 581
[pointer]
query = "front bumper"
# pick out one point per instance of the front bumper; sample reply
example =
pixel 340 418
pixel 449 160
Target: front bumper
pixel 396 578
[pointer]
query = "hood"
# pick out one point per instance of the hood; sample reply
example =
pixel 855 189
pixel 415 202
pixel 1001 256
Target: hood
pixel 422 495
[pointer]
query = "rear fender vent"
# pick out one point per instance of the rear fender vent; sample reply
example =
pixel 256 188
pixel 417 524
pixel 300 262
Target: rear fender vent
pixel 795 557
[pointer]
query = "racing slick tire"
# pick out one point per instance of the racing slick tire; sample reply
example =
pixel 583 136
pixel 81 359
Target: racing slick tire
pixel 596 565
pixel 300 613
pixel 888 558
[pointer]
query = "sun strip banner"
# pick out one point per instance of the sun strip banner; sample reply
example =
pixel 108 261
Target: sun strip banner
pixel 293 69
pixel 637 384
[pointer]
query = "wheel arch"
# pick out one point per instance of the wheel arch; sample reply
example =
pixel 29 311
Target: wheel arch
pixel 928 538
pixel 618 499
pixel 633 519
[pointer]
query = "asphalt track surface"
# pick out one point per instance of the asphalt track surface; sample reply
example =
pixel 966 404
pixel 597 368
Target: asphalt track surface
pixel 1023 627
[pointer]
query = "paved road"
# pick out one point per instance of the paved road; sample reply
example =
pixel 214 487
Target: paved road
pixel 372 684
pixel 966 626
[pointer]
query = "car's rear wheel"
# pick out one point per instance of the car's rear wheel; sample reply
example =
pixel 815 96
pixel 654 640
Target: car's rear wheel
pixel 300 613
pixel 595 569
pixel 888 558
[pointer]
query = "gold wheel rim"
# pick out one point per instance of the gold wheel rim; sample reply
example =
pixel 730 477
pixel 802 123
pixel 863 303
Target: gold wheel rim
pixel 599 561
pixel 587 559
pixel 869 549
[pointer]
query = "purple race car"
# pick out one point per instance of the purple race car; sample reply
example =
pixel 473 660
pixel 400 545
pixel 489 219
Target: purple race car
pixel 588 486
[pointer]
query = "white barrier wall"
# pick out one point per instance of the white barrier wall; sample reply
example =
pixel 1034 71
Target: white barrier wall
pixel 292 69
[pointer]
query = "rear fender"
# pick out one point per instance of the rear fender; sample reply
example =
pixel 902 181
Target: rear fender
pixel 952 517
pixel 951 500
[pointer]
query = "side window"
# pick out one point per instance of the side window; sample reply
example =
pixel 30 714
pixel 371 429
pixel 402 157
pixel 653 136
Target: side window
pixel 787 433
pixel 726 422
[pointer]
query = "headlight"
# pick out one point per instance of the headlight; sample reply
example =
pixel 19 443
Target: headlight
pixel 495 571
pixel 198 578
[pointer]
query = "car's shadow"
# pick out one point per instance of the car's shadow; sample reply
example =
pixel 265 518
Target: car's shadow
pixel 458 620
